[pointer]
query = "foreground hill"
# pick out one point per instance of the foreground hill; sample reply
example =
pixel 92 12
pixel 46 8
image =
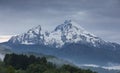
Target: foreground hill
pixel 14 63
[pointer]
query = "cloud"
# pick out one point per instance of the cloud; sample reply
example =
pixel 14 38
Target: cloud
pixel 90 65
pixel 111 67
pixel 2 57
pixel 4 38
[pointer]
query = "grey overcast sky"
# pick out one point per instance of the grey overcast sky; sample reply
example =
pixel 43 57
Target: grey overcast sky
pixel 100 17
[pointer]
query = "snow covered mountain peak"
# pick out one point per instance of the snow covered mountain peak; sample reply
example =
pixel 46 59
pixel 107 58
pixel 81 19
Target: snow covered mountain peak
pixel 68 32
pixel 68 24
pixel 67 21
pixel 32 36
pixel 36 30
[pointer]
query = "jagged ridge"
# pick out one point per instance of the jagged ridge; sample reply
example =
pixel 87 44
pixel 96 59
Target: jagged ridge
pixel 68 32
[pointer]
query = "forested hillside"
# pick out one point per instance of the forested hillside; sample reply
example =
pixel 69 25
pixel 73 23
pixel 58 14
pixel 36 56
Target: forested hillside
pixel 14 63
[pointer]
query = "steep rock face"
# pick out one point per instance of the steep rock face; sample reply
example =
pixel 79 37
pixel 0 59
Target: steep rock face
pixel 66 33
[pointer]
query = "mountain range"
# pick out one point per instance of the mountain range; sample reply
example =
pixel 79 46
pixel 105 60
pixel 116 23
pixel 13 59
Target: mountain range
pixel 68 41
pixel 66 33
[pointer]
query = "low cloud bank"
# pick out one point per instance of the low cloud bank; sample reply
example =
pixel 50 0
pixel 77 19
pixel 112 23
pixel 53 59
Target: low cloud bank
pixel 112 67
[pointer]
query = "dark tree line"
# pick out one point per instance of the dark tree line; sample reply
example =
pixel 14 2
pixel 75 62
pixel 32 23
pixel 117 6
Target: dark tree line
pixel 22 61
pixel 14 63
